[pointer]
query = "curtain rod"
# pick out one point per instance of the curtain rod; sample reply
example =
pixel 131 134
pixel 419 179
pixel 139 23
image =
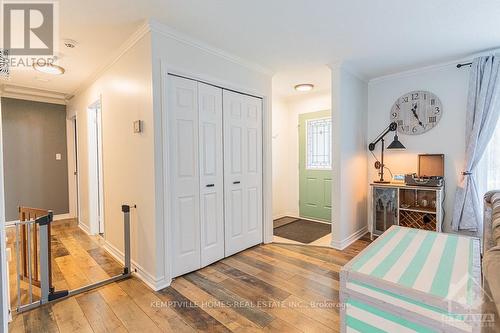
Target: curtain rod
pixel 464 64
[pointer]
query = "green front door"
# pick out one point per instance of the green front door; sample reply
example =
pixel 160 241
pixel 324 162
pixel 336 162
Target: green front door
pixel 315 165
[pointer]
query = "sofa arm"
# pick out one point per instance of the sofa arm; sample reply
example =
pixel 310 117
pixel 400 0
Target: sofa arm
pixel 488 195
pixel 491 273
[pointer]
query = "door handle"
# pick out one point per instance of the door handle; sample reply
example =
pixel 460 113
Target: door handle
pixel 236 182
pixel 210 185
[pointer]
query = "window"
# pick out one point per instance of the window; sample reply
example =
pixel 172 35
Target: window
pixel 319 138
pixel 490 163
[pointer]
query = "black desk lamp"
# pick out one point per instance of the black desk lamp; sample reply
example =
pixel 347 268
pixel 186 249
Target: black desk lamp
pixel 396 144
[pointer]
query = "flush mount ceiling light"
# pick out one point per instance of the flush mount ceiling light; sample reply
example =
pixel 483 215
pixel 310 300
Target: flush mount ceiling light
pixel 70 43
pixel 49 69
pixel 304 87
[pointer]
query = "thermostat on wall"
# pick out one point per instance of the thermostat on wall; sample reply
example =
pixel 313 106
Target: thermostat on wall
pixel 138 126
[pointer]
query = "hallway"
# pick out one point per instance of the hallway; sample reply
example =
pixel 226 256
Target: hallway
pixel 274 287
pixel 77 260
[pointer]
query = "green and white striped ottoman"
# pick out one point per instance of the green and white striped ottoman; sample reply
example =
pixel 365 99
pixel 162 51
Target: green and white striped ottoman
pixel 411 280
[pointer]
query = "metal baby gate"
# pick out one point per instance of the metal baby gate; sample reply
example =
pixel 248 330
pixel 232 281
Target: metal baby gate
pixel 34 262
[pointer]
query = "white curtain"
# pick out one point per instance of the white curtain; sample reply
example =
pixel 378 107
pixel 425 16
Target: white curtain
pixel 488 170
pixel 483 109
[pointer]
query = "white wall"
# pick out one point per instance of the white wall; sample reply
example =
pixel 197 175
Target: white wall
pixel 128 159
pixel 349 191
pixel 4 297
pixel 283 205
pixel 450 85
pixel 182 55
pixel 286 148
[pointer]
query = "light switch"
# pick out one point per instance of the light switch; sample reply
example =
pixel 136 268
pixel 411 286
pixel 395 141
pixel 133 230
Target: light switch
pixel 58 157
pixel 138 126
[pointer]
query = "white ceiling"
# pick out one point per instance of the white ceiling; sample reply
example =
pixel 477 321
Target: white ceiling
pixel 285 81
pixel 376 37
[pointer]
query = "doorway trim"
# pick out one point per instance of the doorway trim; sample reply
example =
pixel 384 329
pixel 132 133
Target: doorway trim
pixel 303 121
pixel 74 165
pixel 4 305
pixel 96 179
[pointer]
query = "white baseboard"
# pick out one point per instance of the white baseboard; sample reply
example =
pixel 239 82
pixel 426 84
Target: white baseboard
pixel 141 273
pixel 63 217
pixel 138 270
pixel 281 215
pixel 84 228
pixel 296 216
pixel 349 240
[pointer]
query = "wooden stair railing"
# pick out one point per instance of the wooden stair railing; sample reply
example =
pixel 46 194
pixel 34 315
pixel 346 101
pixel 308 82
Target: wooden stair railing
pixel 27 214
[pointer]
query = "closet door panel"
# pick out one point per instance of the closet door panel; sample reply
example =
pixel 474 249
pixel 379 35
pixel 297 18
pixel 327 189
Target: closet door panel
pixel 183 120
pixel 211 173
pixel 242 171
pixel 253 173
pixel 236 208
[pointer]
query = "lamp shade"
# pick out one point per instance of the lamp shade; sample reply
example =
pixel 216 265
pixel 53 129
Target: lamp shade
pixel 396 144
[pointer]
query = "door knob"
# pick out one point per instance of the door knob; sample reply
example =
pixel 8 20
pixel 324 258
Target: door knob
pixel 236 182
pixel 210 185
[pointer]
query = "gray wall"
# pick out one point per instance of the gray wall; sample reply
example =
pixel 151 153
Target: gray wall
pixel 33 133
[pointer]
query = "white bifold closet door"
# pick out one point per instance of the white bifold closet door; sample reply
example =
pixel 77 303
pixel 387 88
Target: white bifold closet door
pixel 211 173
pixel 242 171
pixel 196 169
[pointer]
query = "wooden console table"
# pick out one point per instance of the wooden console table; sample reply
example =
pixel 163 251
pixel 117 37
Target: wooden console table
pixel 419 207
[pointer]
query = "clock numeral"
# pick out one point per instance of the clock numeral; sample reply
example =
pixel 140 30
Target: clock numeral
pixel 414 129
pixel 394 115
pixel 400 123
pixel 433 102
pixel 414 96
pixel 432 119
pixel 406 128
pixel 405 99
pixel 425 96
pixel 398 107
pixel 437 110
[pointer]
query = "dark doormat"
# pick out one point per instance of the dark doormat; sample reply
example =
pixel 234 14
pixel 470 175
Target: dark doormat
pixel 284 220
pixel 303 231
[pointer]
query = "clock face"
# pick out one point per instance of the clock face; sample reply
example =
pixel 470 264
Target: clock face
pixel 416 112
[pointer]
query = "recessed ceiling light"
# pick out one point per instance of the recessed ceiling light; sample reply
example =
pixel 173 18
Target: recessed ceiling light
pixel 49 69
pixel 70 43
pixel 304 87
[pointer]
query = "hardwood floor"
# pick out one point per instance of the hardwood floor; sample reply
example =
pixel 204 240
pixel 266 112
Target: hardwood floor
pixel 77 260
pixel 268 288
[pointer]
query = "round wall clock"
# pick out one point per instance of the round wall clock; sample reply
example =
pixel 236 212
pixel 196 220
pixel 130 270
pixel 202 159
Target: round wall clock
pixel 416 112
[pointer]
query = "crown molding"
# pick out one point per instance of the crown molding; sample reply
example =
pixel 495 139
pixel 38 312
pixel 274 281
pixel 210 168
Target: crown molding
pixel 127 45
pixel 415 71
pixel 342 65
pixel 435 67
pixel 188 40
pixel 154 26
pixel 34 94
